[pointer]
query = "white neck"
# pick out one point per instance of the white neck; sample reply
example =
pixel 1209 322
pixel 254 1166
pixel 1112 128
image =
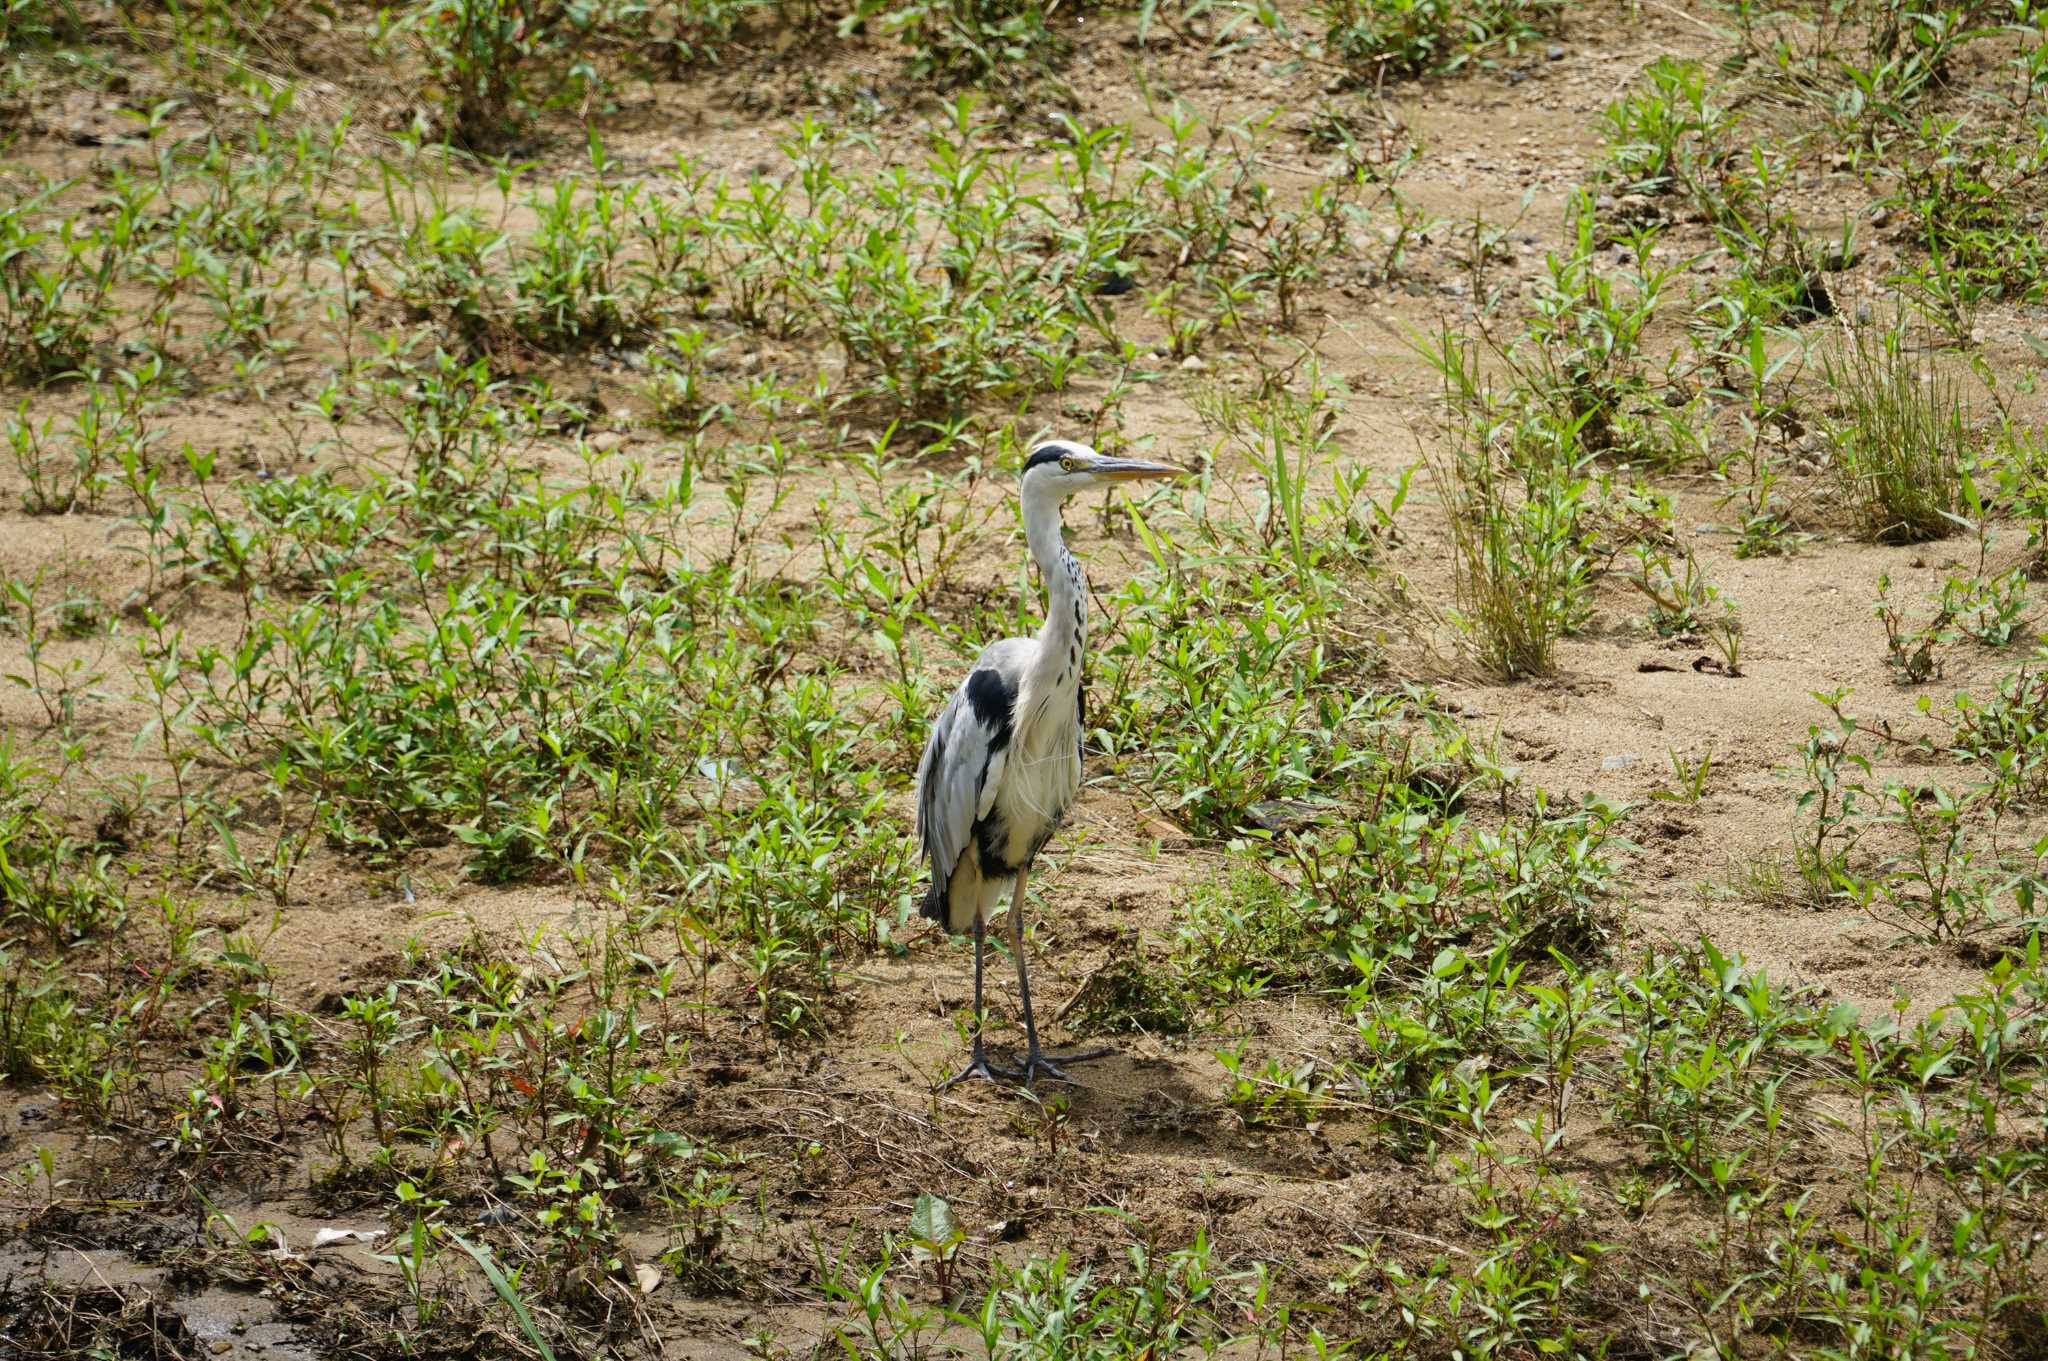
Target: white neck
pixel 1063 638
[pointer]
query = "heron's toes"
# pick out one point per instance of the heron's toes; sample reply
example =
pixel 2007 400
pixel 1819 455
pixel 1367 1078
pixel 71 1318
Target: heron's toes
pixel 979 1067
pixel 1037 1064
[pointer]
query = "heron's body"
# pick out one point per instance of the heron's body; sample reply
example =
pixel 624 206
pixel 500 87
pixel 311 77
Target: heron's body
pixel 1003 763
pixel 1022 748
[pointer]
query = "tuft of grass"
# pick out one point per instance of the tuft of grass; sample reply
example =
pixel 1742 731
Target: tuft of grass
pixel 1901 437
pixel 1513 487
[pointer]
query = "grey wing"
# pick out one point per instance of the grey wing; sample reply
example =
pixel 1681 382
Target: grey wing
pixel 963 767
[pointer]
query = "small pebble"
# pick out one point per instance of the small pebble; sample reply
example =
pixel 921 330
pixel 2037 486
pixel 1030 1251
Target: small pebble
pixel 1555 52
pixel 1619 761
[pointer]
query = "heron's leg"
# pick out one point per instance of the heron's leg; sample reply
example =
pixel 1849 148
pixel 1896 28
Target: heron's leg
pixel 1037 1061
pixel 977 1065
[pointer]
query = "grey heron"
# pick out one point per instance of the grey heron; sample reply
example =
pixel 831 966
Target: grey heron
pixel 1003 761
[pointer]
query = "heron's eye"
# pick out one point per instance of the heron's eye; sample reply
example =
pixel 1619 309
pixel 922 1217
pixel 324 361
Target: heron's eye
pixel 1067 462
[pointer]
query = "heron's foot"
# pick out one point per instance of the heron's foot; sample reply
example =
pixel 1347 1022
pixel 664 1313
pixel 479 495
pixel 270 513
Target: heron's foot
pixel 979 1067
pixel 1039 1064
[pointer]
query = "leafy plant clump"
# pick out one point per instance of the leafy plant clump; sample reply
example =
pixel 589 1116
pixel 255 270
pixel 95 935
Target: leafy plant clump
pixel 1417 37
pixel 971 40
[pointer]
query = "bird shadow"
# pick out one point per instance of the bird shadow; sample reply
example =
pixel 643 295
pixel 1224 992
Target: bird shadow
pixel 1153 1106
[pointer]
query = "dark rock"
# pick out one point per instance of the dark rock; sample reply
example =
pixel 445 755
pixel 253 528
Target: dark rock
pixel 1115 282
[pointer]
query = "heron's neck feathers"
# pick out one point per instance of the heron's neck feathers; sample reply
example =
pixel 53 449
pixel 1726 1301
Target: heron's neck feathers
pixel 1056 670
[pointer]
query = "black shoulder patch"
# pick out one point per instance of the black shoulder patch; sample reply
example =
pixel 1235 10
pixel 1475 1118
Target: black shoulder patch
pixel 1052 451
pixel 992 698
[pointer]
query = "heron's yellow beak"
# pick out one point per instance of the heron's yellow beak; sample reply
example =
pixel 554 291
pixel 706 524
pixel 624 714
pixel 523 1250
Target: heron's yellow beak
pixel 1134 469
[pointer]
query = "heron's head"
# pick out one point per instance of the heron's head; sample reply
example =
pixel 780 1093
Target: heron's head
pixel 1060 468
